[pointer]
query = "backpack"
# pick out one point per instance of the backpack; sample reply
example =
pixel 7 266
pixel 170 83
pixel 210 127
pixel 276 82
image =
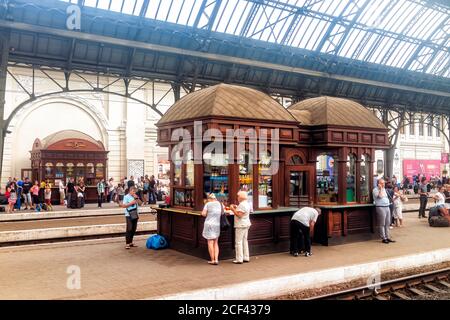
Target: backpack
pixel 156 242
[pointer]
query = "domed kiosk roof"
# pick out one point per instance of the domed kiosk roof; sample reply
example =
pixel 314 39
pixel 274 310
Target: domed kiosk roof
pixel 229 101
pixel 68 139
pixel 334 111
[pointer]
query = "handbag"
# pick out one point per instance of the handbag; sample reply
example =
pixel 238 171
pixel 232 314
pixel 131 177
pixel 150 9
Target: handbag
pixel 133 213
pixel 224 223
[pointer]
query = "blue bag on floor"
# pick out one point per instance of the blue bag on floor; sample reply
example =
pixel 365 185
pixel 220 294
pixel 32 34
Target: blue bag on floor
pixel 156 242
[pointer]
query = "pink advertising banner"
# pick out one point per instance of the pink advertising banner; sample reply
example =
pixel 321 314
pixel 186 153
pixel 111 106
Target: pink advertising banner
pixel 423 167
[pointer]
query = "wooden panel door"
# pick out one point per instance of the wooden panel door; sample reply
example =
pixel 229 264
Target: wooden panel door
pixel 298 193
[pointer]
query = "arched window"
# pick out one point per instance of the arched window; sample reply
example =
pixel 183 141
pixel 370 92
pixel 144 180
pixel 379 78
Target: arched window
pixel 295 160
pixel 59 170
pixel 69 170
pixel 351 178
pixel 265 181
pixel 99 171
pixel 364 178
pixel 49 170
pixel 327 178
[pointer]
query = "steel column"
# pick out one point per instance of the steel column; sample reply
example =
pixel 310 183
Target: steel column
pixel 4 55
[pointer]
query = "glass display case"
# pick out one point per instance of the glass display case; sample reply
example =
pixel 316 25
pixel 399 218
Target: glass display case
pixel 246 175
pixel 189 174
pixel 351 178
pixel 327 178
pixel 215 176
pixel 265 183
pixel 364 178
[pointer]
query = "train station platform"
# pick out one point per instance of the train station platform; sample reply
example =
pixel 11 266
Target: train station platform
pixel 108 271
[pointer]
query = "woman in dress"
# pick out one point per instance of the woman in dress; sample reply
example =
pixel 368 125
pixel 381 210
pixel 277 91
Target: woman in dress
pixel 211 229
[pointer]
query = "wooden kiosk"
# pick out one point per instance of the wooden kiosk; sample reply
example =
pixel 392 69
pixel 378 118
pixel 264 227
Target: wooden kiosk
pixel 324 157
pixel 69 154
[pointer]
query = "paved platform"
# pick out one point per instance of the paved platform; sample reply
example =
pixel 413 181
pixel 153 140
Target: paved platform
pixel 41 271
pixel 20 231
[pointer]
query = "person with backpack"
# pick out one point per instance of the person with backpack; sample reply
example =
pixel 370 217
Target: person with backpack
pixel 131 202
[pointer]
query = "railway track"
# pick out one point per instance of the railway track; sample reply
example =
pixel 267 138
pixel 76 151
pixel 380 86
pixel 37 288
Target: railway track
pixel 424 286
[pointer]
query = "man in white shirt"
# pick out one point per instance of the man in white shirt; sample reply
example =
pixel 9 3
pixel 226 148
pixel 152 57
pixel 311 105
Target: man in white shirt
pixel 302 229
pixel 241 224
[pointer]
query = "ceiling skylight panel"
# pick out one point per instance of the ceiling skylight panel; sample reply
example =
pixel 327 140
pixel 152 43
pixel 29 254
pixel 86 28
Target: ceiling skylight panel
pixel 403 17
pixel 303 33
pixel 373 12
pixel 90 3
pixel 432 25
pixel 152 9
pixel 388 18
pixel 163 11
pixel 174 12
pixel 365 46
pixel 425 22
pixel 351 43
pixel 103 4
pixel 381 50
pixel 318 29
pixel 338 33
pixel 401 54
pixel 438 63
pixel 242 12
pixel 190 11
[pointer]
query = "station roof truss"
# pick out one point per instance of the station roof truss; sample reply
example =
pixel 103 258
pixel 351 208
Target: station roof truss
pixel 391 53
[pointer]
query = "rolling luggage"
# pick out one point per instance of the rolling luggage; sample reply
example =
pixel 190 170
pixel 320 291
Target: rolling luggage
pixel 439 221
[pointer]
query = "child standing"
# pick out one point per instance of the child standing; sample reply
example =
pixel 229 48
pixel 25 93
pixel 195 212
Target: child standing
pixel 12 200
pixel 35 193
pixel 48 198
pixel 398 198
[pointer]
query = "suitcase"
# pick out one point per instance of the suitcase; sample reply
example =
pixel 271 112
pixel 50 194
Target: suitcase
pixel 439 221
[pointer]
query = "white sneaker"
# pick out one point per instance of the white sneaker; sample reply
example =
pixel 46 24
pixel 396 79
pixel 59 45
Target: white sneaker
pixel 391 227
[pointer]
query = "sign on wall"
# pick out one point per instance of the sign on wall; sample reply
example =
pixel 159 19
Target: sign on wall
pixel 136 168
pixel 427 168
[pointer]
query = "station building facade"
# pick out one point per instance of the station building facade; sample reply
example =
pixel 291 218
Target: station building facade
pixel 114 121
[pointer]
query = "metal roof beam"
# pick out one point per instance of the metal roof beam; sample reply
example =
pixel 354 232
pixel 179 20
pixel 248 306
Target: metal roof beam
pixel 207 5
pixel 209 56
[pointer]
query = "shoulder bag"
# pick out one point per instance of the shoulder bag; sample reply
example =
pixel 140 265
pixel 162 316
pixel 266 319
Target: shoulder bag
pixel 224 223
pixel 134 215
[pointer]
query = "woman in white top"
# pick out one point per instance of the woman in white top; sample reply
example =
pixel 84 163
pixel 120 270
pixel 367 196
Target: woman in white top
pixel 211 228
pixel 398 199
pixel 440 197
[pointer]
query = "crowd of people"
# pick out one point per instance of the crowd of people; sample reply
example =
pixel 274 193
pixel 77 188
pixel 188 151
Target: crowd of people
pixel 23 194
